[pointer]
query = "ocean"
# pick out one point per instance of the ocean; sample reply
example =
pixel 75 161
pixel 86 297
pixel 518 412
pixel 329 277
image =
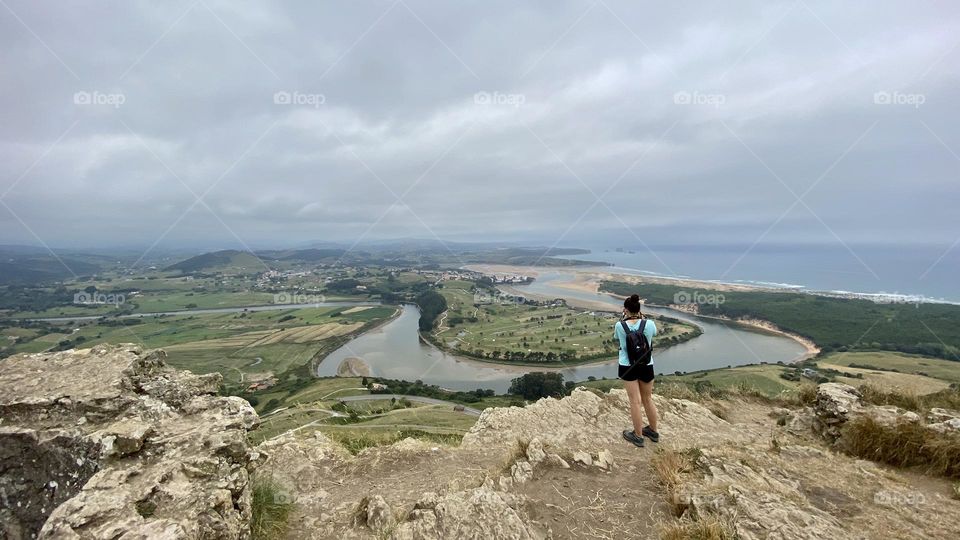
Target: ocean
pixel 928 272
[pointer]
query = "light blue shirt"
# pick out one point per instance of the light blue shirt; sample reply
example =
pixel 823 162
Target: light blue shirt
pixel 649 330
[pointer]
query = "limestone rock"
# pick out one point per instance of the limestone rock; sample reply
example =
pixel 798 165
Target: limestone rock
pixel 111 441
pixel 589 421
pixel 379 515
pixel 604 460
pixel 834 404
pixel 535 453
pixel 950 426
pixel 760 503
pixel 477 514
pixel 521 471
pixel 556 461
pixel 582 458
pixel 938 414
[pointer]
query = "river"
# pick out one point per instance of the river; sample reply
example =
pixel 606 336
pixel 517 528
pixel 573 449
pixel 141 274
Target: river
pixel 395 350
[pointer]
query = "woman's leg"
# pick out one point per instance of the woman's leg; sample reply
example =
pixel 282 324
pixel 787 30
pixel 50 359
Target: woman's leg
pixel 633 394
pixel 646 397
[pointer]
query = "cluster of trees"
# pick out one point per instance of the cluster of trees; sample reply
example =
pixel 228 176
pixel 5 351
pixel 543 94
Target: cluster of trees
pixel 431 304
pixel 538 385
pixel 418 388
pixel 25 298
pixel 835 324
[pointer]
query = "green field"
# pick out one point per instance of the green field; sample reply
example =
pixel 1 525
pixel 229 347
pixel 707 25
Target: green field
pixel 243 346
pixel 531 334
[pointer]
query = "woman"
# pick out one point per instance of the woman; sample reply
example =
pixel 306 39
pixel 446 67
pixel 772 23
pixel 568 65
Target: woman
pixel 638 379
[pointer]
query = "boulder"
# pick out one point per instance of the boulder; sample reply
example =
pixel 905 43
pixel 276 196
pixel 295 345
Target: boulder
pixel 476 514
pixel 111 441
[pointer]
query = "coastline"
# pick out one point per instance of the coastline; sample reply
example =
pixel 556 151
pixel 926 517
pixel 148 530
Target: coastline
pixel 599 273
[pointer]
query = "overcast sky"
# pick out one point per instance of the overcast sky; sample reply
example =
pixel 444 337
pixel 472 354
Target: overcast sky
pixel 554 121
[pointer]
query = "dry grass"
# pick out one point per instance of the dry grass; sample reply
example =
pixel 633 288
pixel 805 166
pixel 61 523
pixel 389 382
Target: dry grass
pixel 956 491
pixel 804 396
pixel 706 528
pixel 669 465
pixel 906 444
pixel 910 400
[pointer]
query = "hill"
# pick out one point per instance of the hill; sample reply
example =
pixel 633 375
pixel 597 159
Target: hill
pixel 223 261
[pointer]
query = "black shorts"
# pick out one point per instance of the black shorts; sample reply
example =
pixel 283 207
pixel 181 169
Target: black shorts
pixel 637 372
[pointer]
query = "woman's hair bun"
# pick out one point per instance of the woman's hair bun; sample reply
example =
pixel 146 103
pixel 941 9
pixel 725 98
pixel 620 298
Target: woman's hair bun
pixel 635 297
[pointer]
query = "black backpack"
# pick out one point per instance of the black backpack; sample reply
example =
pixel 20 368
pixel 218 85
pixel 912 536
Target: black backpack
pixel 639 350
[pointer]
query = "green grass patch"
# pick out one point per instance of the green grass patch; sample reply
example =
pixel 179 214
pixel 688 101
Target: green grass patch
pixel 271 508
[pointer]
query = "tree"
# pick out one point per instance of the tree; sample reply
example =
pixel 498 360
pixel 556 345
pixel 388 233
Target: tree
pixel 538 385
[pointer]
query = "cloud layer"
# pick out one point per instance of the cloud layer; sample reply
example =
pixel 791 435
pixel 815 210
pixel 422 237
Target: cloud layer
pixel 247 123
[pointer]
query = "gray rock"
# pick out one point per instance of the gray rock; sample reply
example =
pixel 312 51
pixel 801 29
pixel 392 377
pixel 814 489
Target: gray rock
pixel 556 461
pixel 479 513
pixel 110 441
pixel 535 453
pixel 379 515
pixel 604 460
pixel 521 472
pixel 582 458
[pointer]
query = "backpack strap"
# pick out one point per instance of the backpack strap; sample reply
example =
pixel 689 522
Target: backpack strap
pixel 626 329
pixel 643 324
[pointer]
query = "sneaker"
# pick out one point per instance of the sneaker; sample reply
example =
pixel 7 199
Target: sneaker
pixel 650 434
pixel 632 436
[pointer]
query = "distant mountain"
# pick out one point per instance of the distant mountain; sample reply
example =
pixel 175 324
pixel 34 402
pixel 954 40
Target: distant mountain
pixel 218 260
pixel 309 255
pixel 42 269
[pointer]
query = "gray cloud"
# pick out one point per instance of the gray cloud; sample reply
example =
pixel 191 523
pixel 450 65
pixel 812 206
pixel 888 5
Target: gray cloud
pixel 491 119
